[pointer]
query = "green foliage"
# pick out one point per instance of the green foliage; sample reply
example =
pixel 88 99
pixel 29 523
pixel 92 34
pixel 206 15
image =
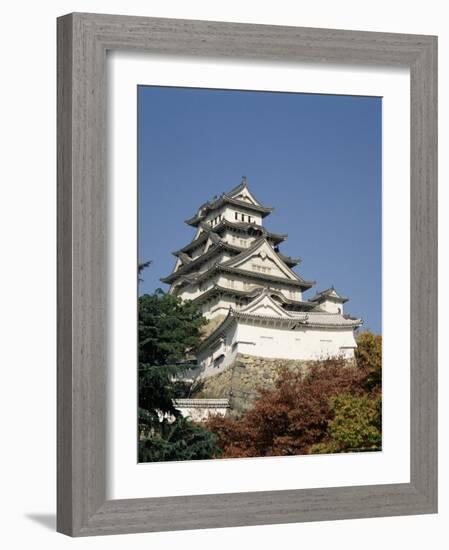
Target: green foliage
pixel 168 328
pixel 141 267
pixel 356 426
pixel 168 331
pixel 178 440
pixel 357 419
pixel 156 393
pixel 368 355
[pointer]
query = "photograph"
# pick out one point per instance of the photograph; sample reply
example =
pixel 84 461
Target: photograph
pixel 259 274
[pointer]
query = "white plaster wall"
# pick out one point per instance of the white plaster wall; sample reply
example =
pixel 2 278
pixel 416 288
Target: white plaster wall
pixel 229 214
pixel 189 292
pixel 331 306
pixel 200 414
pixel 304 344
pixel 225 280
pixel 213 217
pixel 206 357
pixel 277 343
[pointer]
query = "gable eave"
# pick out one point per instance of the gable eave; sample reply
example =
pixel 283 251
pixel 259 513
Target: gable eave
pixel 219 202
pixel 262 241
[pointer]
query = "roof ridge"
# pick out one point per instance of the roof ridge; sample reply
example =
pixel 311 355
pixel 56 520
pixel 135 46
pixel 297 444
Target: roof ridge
pixel 238 187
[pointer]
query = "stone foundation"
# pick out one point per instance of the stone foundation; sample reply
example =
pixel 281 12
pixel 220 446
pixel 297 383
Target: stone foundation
pixel 240 381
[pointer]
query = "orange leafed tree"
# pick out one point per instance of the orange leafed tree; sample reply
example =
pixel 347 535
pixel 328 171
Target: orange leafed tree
pixel 289 418
pixel 295 416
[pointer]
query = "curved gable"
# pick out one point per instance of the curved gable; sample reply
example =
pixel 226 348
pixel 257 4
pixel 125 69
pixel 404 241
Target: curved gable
pixel 263 259
pixel 265 305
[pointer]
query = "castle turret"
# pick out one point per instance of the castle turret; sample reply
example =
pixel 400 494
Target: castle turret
pixel 329 300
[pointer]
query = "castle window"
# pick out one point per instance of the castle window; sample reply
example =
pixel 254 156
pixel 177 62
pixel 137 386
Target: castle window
pixel 243 217
pixel 249 219
pixel 236 215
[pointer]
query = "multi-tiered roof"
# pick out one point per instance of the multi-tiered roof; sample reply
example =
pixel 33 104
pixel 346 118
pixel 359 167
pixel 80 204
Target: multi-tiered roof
pixel 232 256
pixel 232 259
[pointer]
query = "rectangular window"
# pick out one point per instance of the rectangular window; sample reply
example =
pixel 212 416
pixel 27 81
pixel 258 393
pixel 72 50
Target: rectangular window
pixel 236 216
pixel 249 219
pixel 243 217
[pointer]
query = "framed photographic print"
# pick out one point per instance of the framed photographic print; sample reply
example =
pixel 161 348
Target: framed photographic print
pixel 247 274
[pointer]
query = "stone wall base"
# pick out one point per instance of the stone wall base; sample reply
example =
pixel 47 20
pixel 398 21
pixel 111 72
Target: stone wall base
pixel 241 380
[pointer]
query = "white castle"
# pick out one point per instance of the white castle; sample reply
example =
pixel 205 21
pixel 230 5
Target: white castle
pixel 234 271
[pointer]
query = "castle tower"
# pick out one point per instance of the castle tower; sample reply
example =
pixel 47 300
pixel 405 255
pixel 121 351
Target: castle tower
pixel 234 271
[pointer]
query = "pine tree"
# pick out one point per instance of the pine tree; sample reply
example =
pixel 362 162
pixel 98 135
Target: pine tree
pixel 169 329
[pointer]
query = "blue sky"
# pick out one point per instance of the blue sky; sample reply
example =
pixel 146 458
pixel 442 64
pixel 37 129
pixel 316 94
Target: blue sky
pixel 315 158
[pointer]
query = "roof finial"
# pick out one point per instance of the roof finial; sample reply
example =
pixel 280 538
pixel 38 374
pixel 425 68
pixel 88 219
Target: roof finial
pixel 243 180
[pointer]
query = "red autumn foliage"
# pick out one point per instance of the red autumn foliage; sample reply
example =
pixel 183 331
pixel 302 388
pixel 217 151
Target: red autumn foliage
pixel 291 417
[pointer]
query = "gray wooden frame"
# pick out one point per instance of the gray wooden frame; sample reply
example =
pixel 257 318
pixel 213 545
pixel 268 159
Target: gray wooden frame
pixel 83 40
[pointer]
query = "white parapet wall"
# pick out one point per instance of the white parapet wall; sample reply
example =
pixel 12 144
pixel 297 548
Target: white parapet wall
pixel 199 410
pixel 302 343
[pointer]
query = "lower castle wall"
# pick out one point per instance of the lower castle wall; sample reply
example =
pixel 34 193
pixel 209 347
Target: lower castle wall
pixel 275 343
pixel 241 380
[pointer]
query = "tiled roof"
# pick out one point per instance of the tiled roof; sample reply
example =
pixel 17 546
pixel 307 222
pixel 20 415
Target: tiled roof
pixel 224 198
pixel 206 403
pixel 330 319
pixel 213 233
pixel 246 226
pixel 185 258
pixel 217 289
pixel 329 293
pixel 305 319
pixel 291 262
pixel 199 260
pixel 255 275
